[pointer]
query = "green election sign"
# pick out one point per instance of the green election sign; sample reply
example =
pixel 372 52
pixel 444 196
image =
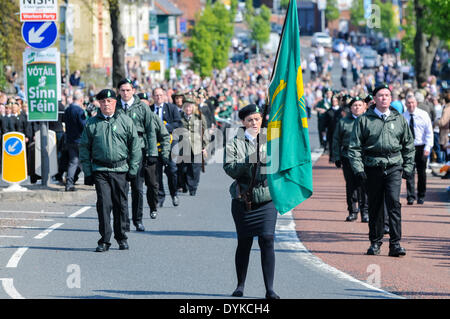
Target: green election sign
pixel 42 84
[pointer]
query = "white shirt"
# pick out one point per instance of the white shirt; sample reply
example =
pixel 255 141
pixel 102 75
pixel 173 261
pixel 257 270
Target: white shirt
pixel 387 113
pixel 129 103
pixel 160 110
pixel 423 129
pixel 250 137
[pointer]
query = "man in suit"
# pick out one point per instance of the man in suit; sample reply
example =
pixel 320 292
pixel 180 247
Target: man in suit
pixel 171 118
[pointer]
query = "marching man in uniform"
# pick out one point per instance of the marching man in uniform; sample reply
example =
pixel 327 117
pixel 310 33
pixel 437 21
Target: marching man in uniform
pixel 110 153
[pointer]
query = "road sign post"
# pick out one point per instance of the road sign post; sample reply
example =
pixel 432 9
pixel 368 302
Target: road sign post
pixel 14 160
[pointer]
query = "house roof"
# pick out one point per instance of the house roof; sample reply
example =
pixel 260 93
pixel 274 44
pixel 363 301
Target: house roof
pixel 166 8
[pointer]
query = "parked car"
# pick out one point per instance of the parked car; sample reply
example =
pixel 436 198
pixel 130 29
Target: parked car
pixel 321 38
pixel 370 58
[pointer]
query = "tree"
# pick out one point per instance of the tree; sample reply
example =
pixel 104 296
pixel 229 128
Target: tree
pixel 259 25
pixel 432 25
pixel 11 43
pixel 211 39
pixel 389 27
pixel 331 11
pixel 118 43
pixel 357 13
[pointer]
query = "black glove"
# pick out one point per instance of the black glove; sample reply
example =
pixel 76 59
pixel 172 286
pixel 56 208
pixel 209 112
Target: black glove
pixel 362 177
pixel 406 175
pixel 338 163
pixel 89 180
pixel 130 177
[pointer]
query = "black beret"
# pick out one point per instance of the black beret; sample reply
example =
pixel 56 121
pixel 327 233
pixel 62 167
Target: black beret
pixel 248 110
pixel 143 96
pixel 357 98
pixel 105 93
pixel 380 87
pixel 123 81
pixel 368 98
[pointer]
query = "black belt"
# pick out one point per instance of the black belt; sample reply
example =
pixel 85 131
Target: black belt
pixel 110 164
pixel 387 154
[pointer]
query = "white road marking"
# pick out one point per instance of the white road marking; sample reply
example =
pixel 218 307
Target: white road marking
pixel 8 236
pixel 8 286
pixel 79 212
pixel 48 231
pixel 34 219
pixel 42 212
pixel 15 258
pixel 23 227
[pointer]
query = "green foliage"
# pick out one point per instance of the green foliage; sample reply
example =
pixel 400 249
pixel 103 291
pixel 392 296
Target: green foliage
pixel 259 25
pixel 331 11
pixel 357 13
pixel 410 32
pixel 211 39
pixel 284 4
pixel 11 43
pixel 389 27
pixel 436 18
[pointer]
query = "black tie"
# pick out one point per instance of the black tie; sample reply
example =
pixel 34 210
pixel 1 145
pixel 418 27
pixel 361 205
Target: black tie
pixel 411 125
pixel 126 106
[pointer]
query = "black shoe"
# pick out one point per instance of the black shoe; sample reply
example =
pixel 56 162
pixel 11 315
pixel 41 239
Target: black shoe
pixel 364 218
pixel 192 193
pixel 153 214
pixel 239 292
pixel 272 295
pixel 140 227
pixel 123 245
pixel 70 189
pixel 420 201
pixel 175 201
pixel 351 217
pixel 374 249
pixel 161 202
pixel 102 247
pixel 184 190
pixel 411 201
pixel 386 230
pixel 397 251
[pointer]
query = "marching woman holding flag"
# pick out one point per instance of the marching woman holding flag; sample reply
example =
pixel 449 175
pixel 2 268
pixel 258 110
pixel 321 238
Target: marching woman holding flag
pixel 253 211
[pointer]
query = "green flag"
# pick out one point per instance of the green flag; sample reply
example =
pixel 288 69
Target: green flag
pixel 289 164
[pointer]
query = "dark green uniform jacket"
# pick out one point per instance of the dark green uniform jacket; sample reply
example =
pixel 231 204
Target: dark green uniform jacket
pixel 240 157
pixel 378 143
pixel 111 145
pixel 341 137
pixel 192 125
pixel 140 114
pixel 159 135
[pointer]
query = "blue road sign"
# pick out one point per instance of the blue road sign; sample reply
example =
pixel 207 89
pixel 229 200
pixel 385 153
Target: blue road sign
pixel 13 146
pixel 39 35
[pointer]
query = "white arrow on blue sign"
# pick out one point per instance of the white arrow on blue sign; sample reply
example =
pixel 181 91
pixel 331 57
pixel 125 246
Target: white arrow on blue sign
pixel 39 35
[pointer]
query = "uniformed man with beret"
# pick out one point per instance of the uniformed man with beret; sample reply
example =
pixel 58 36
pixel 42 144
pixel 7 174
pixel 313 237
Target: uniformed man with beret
pixel 158 146
pixel 110 153
pixel 140 113
pixel 355 193
pixel 381 152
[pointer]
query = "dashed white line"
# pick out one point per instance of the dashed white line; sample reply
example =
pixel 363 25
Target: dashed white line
pixel 23 227
pixel 10 236
pixel 15 258
pixel 48 230
pixel 8 286
pixel 79 212
pixel 42 212
pixel 33 219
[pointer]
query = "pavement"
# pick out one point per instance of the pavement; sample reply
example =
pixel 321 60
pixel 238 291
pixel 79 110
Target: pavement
pixel 425 270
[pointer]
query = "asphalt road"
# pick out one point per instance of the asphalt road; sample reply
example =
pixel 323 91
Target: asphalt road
pixel 187 252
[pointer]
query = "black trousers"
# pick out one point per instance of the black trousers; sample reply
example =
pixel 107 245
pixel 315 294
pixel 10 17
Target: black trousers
pixel 112 194
pixel 383 187
pixel 356 194
pixel 137 194
pixel 151 181
pixel 189 173
pixel 421 166
pixel 171 172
